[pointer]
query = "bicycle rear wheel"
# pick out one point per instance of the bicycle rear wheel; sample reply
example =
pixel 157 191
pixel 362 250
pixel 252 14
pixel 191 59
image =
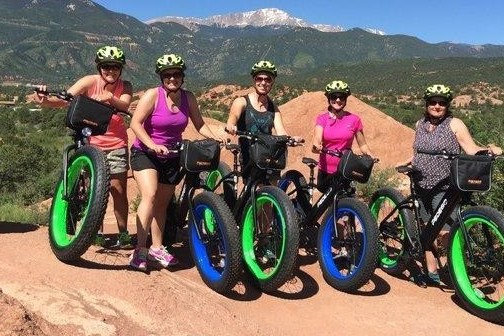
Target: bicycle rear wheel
pixel 270 244
pixel 214 242
pixel 74 220
pixel 348 245
pixel 479 279
pixel 392 229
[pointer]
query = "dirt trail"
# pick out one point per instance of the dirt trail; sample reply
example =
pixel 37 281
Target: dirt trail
pixel 98 295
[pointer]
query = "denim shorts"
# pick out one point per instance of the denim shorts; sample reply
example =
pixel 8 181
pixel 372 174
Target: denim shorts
pixel 117 160
pixel 168 170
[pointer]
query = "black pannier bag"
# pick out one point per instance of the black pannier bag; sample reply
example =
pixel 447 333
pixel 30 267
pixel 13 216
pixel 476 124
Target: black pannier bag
pixel 355 167
pixel 87 112
pixel 269 151
pixel 200 155
pixel 472 172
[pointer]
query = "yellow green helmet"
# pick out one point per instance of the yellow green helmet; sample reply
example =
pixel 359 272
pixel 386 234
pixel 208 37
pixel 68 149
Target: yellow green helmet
pixel 337 86
pixel 438 90
pixel 264 66
pixel 110 54
pixel 170 61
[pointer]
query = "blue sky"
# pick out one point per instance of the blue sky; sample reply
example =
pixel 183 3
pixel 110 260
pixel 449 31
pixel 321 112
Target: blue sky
pixel 460 21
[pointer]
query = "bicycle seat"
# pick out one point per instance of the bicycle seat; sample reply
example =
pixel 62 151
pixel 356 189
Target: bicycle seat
pixel 309 161
pixel 407 170
pixel 233 148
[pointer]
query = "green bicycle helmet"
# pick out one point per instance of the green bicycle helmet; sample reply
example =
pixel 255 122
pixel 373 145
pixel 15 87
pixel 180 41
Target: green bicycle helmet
pixel 108 54
pixel 170 61
pixel 438 90
pixel 264 66
pixel 337 86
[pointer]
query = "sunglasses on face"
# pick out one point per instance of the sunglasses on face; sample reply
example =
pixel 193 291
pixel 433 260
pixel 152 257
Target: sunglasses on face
pixel 109 67
pixel 170 75
pixel 337 96
pixel 266 79
pixel 442 103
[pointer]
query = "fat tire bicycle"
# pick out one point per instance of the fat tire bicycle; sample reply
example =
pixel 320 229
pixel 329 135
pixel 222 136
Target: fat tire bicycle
pixel 213 234
pixel 347 238
pixel 80 199
pixel 267 219
pixel 475 253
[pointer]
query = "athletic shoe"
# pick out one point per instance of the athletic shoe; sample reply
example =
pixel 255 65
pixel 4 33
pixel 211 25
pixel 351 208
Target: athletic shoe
pixel 99 240
pixel 138 259
pixel 124 240
pixel 162 256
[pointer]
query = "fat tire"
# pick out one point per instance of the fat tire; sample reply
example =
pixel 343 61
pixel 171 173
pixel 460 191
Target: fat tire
pixel 474 299
pixel 64 247
pixel 367 254
pixel 226 234
pixel 285 265
pixel 393 265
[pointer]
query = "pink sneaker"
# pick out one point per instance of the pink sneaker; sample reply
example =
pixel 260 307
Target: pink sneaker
pixel 138 259
pixel 162 256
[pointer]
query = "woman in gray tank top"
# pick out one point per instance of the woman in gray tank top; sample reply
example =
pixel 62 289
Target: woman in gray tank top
pixel 438 131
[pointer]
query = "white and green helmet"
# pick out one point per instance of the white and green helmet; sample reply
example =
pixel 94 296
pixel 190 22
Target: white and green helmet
pixel 264 66
pixel 110 54
pixel 438 90
pixel 170 61
pixel 337 86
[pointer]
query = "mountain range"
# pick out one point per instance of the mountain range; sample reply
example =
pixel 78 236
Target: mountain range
pixel 54 41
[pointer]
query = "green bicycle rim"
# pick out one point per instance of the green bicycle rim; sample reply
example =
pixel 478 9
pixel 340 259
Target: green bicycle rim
pixel 457 259
pixel 384 258
pixel 248 238
pixel 61 207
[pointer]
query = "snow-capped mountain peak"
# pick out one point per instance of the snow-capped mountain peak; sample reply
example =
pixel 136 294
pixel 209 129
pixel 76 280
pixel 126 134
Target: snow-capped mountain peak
pixel 257 18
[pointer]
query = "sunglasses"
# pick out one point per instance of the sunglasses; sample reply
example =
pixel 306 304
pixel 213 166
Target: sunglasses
pixel 337 96
pixel 442 103
pixel 170 75
pixel 266 79
pixel 108 67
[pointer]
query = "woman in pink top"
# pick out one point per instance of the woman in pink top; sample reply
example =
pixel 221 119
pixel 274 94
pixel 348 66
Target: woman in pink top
pixel 108 87
pixel 336 128
pixel 161 116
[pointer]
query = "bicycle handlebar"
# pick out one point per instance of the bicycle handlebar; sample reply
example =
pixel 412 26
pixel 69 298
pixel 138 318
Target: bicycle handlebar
pixel 451 156
pixel 287 139
pixel 63 95
pixel 338 153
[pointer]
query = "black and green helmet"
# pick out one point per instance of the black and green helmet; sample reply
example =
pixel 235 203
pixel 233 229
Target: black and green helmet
pixel 264 66
pixel 170 61
pixel 438 90
pixel 337 86
pixel 109 54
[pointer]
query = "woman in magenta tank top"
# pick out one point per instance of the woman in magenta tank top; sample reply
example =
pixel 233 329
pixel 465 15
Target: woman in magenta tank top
pixel 161 117
pixel 336 129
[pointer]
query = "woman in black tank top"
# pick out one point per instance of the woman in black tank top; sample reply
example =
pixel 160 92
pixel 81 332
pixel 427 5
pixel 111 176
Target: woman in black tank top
pixel 255 112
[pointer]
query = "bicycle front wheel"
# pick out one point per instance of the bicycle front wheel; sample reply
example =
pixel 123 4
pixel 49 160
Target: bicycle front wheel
pixel 226 188
pixel 270 243
pixel 348 245
pixel 74 220
pixel 476 262
pixel 214 242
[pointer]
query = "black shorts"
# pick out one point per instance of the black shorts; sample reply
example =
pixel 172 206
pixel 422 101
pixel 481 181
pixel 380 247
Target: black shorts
pixel 168 170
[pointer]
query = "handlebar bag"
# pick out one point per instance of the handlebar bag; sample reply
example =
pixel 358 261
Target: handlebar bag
pixel 269 152
pixel 355 167
pixel 87 112
pixel 472 172
pixel 200 155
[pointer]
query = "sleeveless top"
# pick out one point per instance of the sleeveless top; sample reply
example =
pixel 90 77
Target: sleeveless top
pixel 116 136
pixel 434 169
pixel 256 122
pixel 163 125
